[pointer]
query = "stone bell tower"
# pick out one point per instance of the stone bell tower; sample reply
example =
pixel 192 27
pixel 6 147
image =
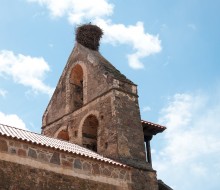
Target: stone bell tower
pixel 96 106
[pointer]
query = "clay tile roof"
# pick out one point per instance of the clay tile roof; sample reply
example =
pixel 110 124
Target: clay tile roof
pixel 49 142
pixel 152 128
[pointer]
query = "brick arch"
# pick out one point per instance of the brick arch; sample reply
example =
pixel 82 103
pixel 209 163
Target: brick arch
pixel 88 130
pixel 62 133
pixel 76 81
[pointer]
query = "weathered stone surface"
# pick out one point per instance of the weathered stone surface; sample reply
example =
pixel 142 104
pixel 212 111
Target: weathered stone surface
pixel 144 180
pixel 95 169
pixel 127 176
pixel 115 174
pixel 91 87
pixel 25 146
pixel 43 157
pixel 5 181
pixel 63 156
pixel 17 144
pixel 19 177
pixel 106 172
pixel 87 167
pixel 3 145
pixel 32 153
pixel 66 163
pixel 122 174
pixel 70 159
pixel 12 150
pixel 77 164
pixel 55 159
pixel 114 104
pixel 22 152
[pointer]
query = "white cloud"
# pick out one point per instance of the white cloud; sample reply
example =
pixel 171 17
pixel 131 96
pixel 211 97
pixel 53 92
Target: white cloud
pixel 26 70
pixel 146 109
pixel 144 44
pixel 3 92
pixel 78 11
pixel 12 120
pixel 191 143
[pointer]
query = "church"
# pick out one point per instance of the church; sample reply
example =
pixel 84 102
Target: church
pixel 92 133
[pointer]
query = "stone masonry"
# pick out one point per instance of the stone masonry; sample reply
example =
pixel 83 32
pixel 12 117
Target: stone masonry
pixel 93 106
pixel 96 106
pixel 109 96
pixel 27 166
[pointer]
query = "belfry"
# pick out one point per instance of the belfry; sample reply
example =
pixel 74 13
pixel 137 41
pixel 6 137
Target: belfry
pixel 92 133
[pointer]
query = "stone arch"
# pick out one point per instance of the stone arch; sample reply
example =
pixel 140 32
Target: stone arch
pixel 62 133
pixel 76 83
pixel 88 131
pixel 76 86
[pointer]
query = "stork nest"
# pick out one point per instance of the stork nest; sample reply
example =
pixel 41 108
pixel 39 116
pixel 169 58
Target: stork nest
pixel 89 36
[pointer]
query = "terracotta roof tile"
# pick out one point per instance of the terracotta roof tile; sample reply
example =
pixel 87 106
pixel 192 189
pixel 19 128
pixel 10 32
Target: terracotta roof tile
pixel 152 127
pixel 42 140
pixel 153 124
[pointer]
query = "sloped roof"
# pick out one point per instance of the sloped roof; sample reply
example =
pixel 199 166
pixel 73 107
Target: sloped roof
pixel 152 128
pixel 35 138
pixel 108 67
pixel 103 62
pixel 163 186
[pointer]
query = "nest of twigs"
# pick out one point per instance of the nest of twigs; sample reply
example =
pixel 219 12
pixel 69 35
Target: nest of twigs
pixel 89 36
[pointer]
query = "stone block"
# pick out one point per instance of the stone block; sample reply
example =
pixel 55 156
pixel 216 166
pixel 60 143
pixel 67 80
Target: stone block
pixel 43 157
pixel 106 172
pixel 12 150
pixel 3 146
pixel 21 177
pixel 77 164
pixel 95 169
pixel 115 174
pixel 22 152
pixel 87 167
pixel 32 153
pixel 66 163
pixel 55 159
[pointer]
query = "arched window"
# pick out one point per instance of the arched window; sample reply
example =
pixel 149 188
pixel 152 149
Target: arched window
pixel 76 81
pixel 63 135
pixel 89 132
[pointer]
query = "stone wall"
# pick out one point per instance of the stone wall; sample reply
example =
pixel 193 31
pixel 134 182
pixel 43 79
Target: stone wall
pixel 143 180
pixel 129 129
pixel 119 122
pixel 20 177
pixel 101 108
pixel 99 76
pixel 27 166
pixel 109 97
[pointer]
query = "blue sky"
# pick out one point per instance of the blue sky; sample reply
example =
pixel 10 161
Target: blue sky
pixel 169 48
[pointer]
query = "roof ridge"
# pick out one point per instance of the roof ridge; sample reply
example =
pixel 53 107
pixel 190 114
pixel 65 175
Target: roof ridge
pixel 155 124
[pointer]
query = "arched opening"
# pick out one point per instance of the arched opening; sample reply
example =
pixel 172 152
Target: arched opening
pixel 89 133
pixel 63 135
pixel 76 81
